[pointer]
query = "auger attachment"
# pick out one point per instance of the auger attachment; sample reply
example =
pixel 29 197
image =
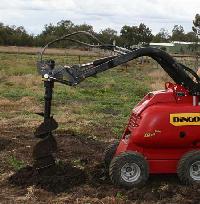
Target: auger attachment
pixel 44 149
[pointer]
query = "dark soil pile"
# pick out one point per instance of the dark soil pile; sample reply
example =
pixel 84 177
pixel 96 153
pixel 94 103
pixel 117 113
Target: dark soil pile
pixel 56 179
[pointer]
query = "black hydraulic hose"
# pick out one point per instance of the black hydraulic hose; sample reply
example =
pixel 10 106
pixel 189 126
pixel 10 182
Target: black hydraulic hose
pixel 168 63
pixel 86 44
pixel 191 71
pixel 175 71
pixel 65 37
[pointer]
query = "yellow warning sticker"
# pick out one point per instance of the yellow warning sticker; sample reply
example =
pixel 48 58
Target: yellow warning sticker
pixel 183 119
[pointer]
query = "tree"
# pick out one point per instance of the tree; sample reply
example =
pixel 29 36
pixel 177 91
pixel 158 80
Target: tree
pixel 127 35
pixel 196 23
pixel 145 34
pixel 162 37
pixel 196 29
pixel 108 35
pixel 178 33
pixel 84 27
pixel 190 37
pixel 133 35
pixel 12 35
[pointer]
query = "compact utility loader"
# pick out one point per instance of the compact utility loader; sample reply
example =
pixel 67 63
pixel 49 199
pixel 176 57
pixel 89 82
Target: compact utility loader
pixel 163 133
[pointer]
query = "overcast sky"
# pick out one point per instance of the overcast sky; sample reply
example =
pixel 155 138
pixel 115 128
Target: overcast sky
pixel 34 14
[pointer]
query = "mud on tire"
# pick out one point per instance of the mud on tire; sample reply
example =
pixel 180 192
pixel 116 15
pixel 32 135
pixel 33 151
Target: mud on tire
pixel 188 169
pixel 109 153
pixel 129 169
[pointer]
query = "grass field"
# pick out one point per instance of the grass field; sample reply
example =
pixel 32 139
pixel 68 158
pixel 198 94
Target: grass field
pixel 103 102
pixel 89 116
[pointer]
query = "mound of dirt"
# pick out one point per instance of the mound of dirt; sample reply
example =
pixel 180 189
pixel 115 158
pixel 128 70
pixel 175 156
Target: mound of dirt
pixel 56 179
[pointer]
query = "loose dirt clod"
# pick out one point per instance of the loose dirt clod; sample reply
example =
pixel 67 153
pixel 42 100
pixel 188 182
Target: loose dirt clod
pixel 56 179
pixel 4 143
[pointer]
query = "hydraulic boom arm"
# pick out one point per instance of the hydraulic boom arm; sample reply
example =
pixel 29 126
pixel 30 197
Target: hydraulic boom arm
pixel 78 73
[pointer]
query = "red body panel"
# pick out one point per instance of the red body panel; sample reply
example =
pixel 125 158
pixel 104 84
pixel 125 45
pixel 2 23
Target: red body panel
pixel 150 132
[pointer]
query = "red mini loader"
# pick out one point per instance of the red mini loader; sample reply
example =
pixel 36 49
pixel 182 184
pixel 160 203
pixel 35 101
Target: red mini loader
pixel 162 135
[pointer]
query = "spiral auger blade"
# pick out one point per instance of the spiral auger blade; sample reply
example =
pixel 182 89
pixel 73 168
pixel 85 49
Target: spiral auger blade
pixel 43 152
pixel 45 128
pixel 47 146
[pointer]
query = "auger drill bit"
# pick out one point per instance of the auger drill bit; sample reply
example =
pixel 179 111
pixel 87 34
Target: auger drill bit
pixel 44 149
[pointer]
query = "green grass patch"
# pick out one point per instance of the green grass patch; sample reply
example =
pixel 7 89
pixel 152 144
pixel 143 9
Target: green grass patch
pixel 15 92
pixel 15 163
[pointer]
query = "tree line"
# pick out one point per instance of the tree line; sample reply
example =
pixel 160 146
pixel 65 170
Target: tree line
pixel 128 36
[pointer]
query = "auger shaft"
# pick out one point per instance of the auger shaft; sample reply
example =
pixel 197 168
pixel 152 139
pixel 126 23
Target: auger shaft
pixel 43 150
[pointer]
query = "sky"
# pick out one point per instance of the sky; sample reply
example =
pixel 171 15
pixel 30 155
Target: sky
pixel 101 14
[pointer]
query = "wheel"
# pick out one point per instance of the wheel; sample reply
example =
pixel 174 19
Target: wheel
pixel 188 169
pixel 129 169
pixel 109 153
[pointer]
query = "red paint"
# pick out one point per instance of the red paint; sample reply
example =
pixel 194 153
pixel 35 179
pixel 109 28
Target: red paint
pixel 149 130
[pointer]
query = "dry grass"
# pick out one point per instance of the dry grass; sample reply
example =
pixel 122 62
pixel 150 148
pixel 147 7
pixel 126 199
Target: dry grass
pixel 28 80
pixel 158 77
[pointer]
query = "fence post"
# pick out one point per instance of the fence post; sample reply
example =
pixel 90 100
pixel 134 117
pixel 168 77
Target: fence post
pixel 65 57
pixel 79 59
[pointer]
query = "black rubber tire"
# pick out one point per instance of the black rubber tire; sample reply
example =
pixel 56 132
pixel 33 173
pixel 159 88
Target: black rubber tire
pixel 127 158
pixel 109 153
pixel 183 168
